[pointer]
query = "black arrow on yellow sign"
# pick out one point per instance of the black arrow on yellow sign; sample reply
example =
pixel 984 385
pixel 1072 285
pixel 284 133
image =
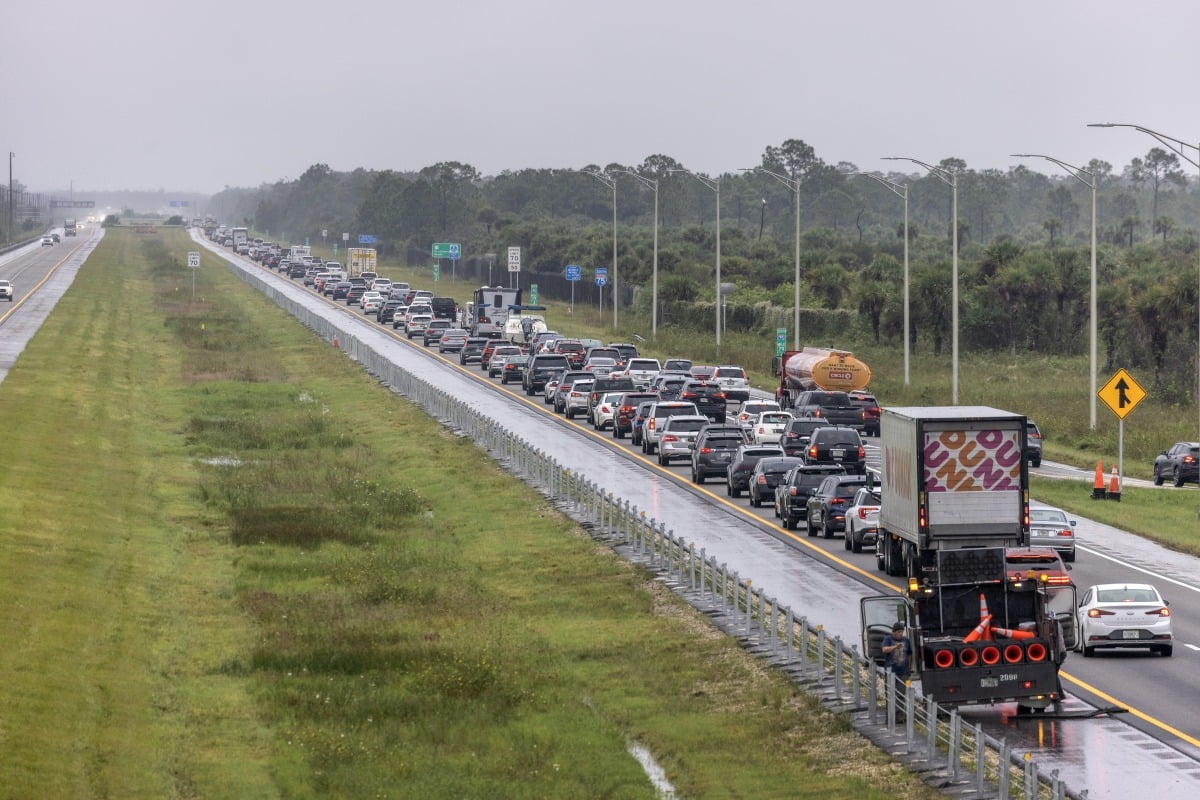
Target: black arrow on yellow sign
pixel 1122 398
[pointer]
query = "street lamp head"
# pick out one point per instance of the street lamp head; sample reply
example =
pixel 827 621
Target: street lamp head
pixel 1105 125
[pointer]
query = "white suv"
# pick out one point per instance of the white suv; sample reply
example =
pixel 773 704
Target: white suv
pixel 641 371
pixel 656 420
pixel 6 290
pixel 733 380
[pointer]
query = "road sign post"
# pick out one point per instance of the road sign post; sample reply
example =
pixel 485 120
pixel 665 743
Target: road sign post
pixel 573 273
pixel 514 266
pixel 193 265
pixel 1121 394
pixel 601 278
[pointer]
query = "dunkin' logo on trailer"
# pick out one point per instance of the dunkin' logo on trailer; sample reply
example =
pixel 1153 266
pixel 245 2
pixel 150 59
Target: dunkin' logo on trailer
pixel 972 461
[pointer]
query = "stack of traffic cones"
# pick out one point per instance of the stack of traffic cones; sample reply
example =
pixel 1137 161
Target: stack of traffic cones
pixel 1114 486
pixel 1098 491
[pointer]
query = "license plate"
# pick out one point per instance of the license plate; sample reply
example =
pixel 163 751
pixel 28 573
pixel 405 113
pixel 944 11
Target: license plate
pixel 1132 634
pixel 837 453
pixel 989 683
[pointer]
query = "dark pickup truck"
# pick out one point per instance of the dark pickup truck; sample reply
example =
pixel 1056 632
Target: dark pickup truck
pixel 834 407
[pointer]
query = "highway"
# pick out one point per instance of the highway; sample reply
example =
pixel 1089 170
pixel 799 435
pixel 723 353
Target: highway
pixel 1156 743
pixel 40 275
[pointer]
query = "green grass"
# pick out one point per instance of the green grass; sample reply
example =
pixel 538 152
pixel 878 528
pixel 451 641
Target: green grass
pixel 236 566
pixel 1171 518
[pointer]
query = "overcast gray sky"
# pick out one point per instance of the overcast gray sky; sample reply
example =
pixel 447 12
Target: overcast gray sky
pixel 116 94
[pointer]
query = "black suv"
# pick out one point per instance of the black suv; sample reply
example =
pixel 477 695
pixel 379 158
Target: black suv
pixel 1181 464
pixel 837 445
pixel 1033 443
pixel 768 473
pixel 795 439
pixel 792 494
pixel 741 464
pixel 827 505
pixel 714 449
pixel 540 367
pixel 708 397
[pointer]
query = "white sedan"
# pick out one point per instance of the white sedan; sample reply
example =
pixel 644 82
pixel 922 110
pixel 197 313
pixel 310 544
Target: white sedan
pixel 1124 615
pixel 605 410
pixel 769 427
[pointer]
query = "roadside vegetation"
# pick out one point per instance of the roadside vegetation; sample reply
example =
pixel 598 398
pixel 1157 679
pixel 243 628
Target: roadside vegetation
pixel 237 566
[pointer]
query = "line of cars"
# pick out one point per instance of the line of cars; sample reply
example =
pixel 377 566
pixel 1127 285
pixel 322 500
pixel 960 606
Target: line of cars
pixel 809 471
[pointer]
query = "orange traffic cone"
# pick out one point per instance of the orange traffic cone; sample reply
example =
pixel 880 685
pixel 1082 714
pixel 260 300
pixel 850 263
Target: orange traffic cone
pixel 983 609
pixel 1114 486
pixel 1098 487
pixel 981 630
pixel 1009 633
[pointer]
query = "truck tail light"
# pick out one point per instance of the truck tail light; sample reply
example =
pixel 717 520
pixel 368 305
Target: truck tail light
pixel 862 452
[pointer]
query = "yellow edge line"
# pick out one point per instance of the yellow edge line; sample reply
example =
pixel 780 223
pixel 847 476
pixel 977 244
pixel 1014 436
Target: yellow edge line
pixel 743 512
pixel 18 303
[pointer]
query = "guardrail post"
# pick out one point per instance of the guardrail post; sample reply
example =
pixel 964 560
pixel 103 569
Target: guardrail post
pixel 856 677
pixel 802 641
pixel 954 744
pixel 837 668
pixel 931 722
pixel 789 632
pixel 1030 776
pixel 980 757
pixel 820 651
pixel 1005 767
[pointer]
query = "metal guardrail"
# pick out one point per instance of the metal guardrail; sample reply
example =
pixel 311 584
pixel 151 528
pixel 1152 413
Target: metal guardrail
pixel 948 751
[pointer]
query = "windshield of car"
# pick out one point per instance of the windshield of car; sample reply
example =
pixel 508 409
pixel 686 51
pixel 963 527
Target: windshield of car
pixel 1046 515
pixel 643 364
pixel 731 372
pixel 676 425
pixel 774 418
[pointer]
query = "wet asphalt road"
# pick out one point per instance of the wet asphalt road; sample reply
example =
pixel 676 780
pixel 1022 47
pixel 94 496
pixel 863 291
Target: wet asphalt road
pixel 40 275
pixel 1156 746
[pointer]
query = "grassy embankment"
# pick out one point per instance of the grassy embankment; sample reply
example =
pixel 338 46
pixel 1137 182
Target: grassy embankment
pixel 235 566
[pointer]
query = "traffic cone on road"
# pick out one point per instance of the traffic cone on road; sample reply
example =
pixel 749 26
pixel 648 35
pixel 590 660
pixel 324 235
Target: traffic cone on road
pixel 1114 486
pixel 1098 492
pixel 1010 633
pixel 981 630
pixel 983 609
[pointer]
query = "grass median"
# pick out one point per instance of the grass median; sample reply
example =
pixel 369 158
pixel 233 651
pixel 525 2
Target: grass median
pixel 237 566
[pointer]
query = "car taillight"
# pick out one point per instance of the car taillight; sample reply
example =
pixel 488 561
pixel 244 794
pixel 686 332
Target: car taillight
pixel 650 423
pixel 1035 436
pixel 792 491
pixel 862 452
pixel 1160 612
pixel 762 480
pixel 719 395
pixel 688 395
pixel 1065 532
pixel 1189 459
pixel 669 438
pixel 1099 612
pixel 812 451
pixel 816 412
pixel 705 450
pixel 604 408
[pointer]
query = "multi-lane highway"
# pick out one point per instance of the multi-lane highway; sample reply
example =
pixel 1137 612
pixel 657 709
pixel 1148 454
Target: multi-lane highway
pixel 1156 743
pixel 39 275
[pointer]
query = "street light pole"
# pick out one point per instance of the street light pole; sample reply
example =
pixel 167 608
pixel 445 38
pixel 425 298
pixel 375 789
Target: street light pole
pixel 610 182
pixel 901 191
pixel 792 184
pixel 715 185
pixel 950 179
pixel 653 184
pixel 1077 173
pixel 11 155
pixel 1176 146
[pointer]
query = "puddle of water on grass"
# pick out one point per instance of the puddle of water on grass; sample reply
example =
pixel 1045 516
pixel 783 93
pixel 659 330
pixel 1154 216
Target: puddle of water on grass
pixel 658 778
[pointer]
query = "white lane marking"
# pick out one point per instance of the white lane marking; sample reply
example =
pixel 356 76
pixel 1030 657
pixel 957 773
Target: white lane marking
pixel 1192 647
pixel 1157 575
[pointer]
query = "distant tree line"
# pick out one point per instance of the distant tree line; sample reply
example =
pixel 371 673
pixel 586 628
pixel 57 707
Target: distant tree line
pixel 1024 242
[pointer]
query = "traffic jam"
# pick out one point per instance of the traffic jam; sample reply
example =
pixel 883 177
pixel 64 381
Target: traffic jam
pixel 995 610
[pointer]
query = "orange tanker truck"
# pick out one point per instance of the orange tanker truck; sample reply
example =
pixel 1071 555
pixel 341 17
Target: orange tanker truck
pixel 819 368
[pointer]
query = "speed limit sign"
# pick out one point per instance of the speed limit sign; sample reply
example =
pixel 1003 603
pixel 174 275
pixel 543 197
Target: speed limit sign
pixel 193 259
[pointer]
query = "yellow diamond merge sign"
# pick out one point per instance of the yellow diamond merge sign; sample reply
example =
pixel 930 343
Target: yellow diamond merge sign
pixel 1121 394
